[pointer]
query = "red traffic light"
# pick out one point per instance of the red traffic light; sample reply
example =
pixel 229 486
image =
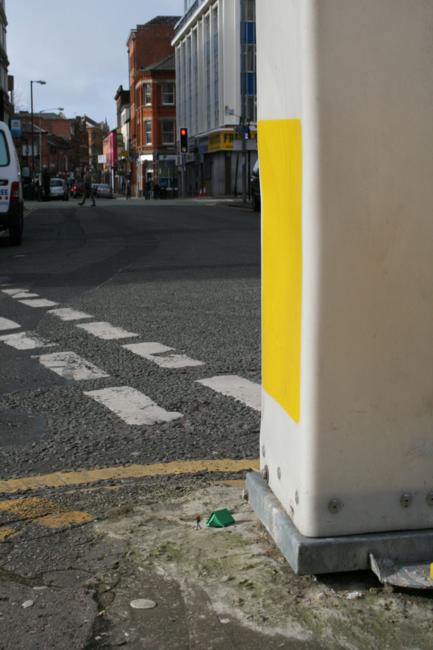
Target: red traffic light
pixel 184 140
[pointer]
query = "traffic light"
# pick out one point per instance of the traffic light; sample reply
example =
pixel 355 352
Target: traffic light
pixel 184 140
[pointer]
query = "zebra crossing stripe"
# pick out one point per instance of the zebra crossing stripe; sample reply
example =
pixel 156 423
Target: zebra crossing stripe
pixel 106 331
pixel 6 324
pixel 25 341
pixel 132 406
pixel 38 303
pixel 71 366
pixel 14 291
pixel 66 314
pixel 240 389
pixel 150 350
pixel 25 295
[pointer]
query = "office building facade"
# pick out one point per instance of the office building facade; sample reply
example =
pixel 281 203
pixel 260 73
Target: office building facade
pixel 215 48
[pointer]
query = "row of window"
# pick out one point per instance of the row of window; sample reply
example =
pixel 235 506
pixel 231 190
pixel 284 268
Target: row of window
pixel 167 93
pixel 168 132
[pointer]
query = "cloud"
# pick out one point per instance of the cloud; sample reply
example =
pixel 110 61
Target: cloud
pixel 79 48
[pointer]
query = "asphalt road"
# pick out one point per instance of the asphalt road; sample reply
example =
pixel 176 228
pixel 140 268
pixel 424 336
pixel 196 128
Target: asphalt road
pixel 183 275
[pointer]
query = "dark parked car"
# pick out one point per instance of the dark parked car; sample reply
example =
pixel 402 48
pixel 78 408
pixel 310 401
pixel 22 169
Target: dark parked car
pixel 255 187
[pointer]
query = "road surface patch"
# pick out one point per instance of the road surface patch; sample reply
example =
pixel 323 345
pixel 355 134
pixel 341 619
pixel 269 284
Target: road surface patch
pixel 25 341
pixel 85 477
pixel 71 366
pixel 40 303
pixel 66 314
pixel 6 324
pixel 240 389
pixel 149 351
pixel 106 331
pixel 132 406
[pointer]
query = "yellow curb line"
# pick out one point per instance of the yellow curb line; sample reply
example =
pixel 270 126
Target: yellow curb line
pixel 84 477
pixel 6 533
pixel 65 520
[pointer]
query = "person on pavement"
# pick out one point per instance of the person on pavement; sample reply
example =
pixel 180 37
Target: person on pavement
pixel 88 191
pixel 46 184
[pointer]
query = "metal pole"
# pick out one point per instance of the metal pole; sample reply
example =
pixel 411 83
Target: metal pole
pixel 40 151
pixel 33 130
pixel 183 176
pixel 244 162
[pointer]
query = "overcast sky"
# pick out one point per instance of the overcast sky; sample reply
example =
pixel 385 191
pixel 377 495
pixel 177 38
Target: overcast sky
pixel 78 47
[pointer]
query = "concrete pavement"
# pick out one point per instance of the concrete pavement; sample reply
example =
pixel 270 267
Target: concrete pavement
pixel 149 310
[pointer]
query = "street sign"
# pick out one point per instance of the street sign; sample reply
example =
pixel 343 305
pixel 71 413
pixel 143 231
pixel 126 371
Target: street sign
pixel 16 129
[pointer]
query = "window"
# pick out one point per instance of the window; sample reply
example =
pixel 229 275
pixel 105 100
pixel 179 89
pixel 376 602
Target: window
pixel 147 94
pixel 148 132
pixel 167 92
pixel 168 132
pixel 4 151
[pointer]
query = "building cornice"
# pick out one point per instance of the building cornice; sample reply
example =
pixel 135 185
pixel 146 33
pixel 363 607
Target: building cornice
pixel 191 17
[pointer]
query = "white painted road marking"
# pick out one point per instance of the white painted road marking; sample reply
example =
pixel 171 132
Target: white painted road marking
pixel 106 331
pixel 38 303
pixel 241 389
pixel 131 406
pixel 25 341
pixel 67 314
pixel 12 292
pixel 6 324
pixel 24 294
pixel 71 366
pixel 176 361
pixel 149 351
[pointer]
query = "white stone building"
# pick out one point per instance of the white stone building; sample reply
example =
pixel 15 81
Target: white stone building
pixel 215 48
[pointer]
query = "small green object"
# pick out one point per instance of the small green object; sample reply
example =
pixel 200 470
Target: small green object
pixel 220 519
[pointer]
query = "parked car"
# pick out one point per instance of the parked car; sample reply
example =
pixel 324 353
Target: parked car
pixel 59 189
pixel 255 187
pixel 104 191
pixel 11 192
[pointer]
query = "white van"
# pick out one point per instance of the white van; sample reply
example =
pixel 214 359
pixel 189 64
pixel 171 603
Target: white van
pixel 11 191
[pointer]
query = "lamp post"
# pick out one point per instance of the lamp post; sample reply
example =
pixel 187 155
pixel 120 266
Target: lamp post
pixel 39 113
pixel 42 83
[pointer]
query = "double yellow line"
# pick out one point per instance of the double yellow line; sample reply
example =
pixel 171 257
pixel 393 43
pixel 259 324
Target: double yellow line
pixel 85 477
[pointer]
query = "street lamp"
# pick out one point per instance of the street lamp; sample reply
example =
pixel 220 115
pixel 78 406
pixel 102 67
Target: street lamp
pixel 45 110
pixel 42 83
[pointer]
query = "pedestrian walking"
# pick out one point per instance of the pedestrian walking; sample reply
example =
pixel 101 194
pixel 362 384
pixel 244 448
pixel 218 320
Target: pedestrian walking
pixel 45 184
pixel 89 192
pixel 148 190
pixel 128 189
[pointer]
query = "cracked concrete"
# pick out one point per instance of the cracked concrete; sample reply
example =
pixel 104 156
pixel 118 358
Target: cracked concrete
pixel 214 588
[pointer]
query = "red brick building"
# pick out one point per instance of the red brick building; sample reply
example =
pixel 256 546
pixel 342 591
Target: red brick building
pixel 153 103
pixel 62 145
pixel 96 132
